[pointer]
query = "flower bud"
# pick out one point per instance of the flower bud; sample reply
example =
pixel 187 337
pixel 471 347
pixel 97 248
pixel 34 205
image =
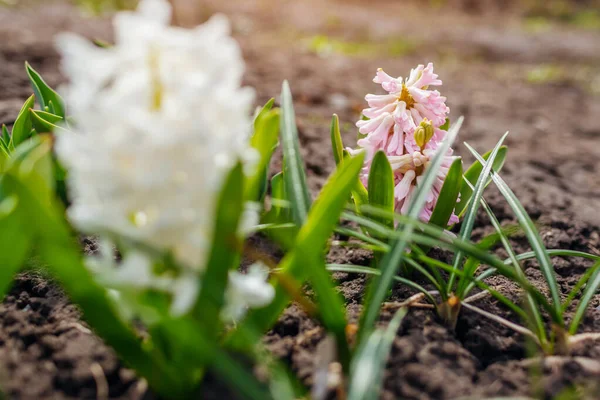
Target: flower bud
pixel 423 133
pixel 420 137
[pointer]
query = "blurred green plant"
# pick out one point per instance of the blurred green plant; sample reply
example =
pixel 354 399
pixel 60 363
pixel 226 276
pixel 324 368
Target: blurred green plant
pixel 324 45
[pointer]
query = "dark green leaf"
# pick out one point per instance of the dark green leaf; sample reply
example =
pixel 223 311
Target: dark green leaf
pixel 446 202
pixel 381 186
pixel 446 125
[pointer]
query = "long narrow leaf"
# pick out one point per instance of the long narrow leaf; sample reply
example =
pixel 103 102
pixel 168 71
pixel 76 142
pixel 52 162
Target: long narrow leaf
pixel 534 310
pixel 264 142
pixel 361 269
pixel 15 240
pixel 473 172
pixel 469 220
pixel 369 362
pixel 337 145
pixel 225 253
pixel 293 169
pixel 534 239
pixel 590 290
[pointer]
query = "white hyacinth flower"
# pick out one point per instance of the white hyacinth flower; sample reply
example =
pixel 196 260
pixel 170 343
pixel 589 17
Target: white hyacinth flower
pixel 160 119
pixel 250 290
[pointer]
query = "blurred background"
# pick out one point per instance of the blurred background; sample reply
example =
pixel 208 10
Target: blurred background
pixel 531 67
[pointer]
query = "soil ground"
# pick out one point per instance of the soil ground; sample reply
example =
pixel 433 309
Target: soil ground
pixel 501 70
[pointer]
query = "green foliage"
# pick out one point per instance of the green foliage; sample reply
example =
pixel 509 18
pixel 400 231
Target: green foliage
pixel 293 170
pixel 264 140
pixel 368 364
pixel 23 124
pixel 378 287
pixel 471 175
pixel 49 100
pixel 381 186
pixel 446 203
pixel 225 253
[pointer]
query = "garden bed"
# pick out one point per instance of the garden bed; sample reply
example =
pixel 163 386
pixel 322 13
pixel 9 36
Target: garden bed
pixel 492 76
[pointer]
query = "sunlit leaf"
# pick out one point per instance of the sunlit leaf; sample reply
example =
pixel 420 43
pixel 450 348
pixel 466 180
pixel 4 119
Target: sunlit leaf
pixel 337 145
pixel 44 122
pixel 22 126
pixel 293 168
pixel 46 96
pixel 264 142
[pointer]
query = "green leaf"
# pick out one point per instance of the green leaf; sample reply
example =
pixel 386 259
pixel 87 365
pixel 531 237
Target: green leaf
pixel 467 224
pixel 264 141
pixel 588 294
pixel 207 352
pixel 44 122
pixel 293 170
pixel 309 246
pixel 5 137
pixel 446 125
pixel 22 127
pixel 464 287
pixel 360 269
pixel 224 255
pixel 32 163
pixel 473 173
pixel 368 365
pixel 446 202
pixel 44 93
pixel 380 285
pixel 263 111
pixel 534 238
pixel 15 240
pixel 336 140
pixel 381 186
pixel 359 192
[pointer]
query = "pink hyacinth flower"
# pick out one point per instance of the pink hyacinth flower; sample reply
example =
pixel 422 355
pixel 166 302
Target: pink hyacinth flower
pixel 408 170
pixel 393 117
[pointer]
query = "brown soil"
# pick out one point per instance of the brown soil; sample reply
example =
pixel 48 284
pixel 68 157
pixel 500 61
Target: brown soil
pixel 500 73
